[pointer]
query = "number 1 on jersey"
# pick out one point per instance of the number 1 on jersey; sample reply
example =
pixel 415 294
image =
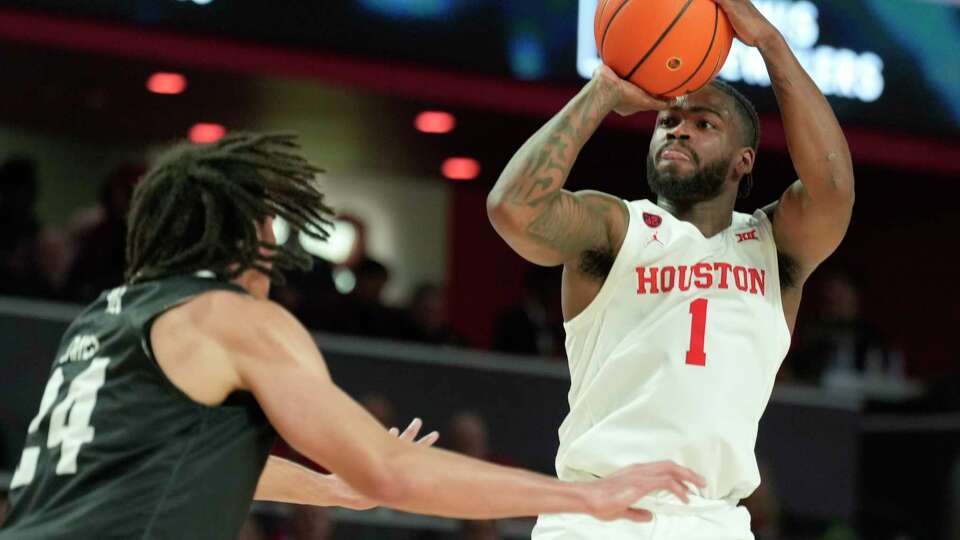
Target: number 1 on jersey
pixel 698 328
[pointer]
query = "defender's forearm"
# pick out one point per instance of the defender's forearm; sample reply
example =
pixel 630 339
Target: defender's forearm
pixel 815 140
pixel 288 482
pixel 436 482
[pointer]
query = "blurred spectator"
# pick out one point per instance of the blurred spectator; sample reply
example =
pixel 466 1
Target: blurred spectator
pixel 535 325
pixel 101 235
pixel 468 435
pixel 309 295
pixel 311 523
pixel 381 408
pixel 428 318
pixel 372 277
pixel 32 259
pixel 362 311
pixel 480 530
pixel 839 341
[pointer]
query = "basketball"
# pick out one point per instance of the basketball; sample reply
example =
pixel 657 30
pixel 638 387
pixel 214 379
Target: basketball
pixel 666 47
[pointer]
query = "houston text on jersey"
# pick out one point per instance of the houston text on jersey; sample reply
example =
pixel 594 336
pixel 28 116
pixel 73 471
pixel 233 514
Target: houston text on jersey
pixel 718 275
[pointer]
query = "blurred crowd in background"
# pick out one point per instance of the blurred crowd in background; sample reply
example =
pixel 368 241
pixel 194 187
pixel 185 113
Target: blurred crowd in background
pixel 874 327
pixel 76 262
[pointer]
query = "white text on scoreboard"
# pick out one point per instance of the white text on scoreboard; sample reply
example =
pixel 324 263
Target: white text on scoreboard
pixel 838 71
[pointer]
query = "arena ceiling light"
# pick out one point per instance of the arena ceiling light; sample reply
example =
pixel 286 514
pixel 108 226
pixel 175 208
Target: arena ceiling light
pixel 205 133
pixel 435 122
pixel 167 83
pixel 337 247
pixel 461 168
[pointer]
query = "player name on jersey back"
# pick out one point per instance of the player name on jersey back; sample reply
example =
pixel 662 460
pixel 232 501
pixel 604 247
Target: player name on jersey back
pixel 82 348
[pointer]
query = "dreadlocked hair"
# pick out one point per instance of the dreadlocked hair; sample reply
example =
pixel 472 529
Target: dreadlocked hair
pixel 200 205
pixel 751 125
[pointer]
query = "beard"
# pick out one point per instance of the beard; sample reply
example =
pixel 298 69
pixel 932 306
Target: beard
pixel 703 184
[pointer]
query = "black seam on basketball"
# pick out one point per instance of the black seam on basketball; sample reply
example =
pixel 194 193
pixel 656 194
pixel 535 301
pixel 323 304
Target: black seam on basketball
pixel 610 22
pixel 659 40
pixel 713 39
pixel 716 67
pixel 600 10
pixel 604 4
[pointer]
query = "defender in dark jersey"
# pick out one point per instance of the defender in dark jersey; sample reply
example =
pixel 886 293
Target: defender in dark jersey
pixel 163 400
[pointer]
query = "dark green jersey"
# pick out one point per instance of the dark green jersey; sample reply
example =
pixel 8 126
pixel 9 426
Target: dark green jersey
pixel 117 451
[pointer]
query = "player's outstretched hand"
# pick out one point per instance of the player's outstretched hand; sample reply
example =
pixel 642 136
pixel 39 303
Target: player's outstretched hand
pixel 630 98
pixel 410 434
pixel 611 497
pixel 352 499
pixel 751 26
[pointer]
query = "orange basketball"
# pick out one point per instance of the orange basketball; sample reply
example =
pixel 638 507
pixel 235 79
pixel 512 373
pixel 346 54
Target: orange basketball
pixel 666 47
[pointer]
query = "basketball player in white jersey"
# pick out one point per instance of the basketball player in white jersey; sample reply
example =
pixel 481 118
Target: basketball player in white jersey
pixel 678 313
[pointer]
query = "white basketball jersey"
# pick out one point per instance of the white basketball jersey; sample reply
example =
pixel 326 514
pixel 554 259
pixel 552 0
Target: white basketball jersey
pixel 676 356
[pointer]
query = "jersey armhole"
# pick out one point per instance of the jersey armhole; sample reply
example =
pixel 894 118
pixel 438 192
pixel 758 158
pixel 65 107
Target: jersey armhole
pixel 606 290
pixel 147 346
pixel 773 258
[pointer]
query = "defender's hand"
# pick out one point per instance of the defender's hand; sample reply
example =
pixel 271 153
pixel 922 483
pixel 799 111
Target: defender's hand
pixel 611 497
pixel 629 98
pixel 410 434
pixel 751 26
pixel 354 500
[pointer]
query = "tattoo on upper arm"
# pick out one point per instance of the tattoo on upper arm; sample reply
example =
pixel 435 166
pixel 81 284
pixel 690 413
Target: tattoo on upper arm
pixel 546 168
pixel 567 223
pixel 545 171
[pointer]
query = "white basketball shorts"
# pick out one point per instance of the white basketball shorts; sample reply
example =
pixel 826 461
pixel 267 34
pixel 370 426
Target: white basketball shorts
pixel 726 522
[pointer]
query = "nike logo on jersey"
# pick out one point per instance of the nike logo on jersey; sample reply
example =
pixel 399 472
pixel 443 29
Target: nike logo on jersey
pixel 720 275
